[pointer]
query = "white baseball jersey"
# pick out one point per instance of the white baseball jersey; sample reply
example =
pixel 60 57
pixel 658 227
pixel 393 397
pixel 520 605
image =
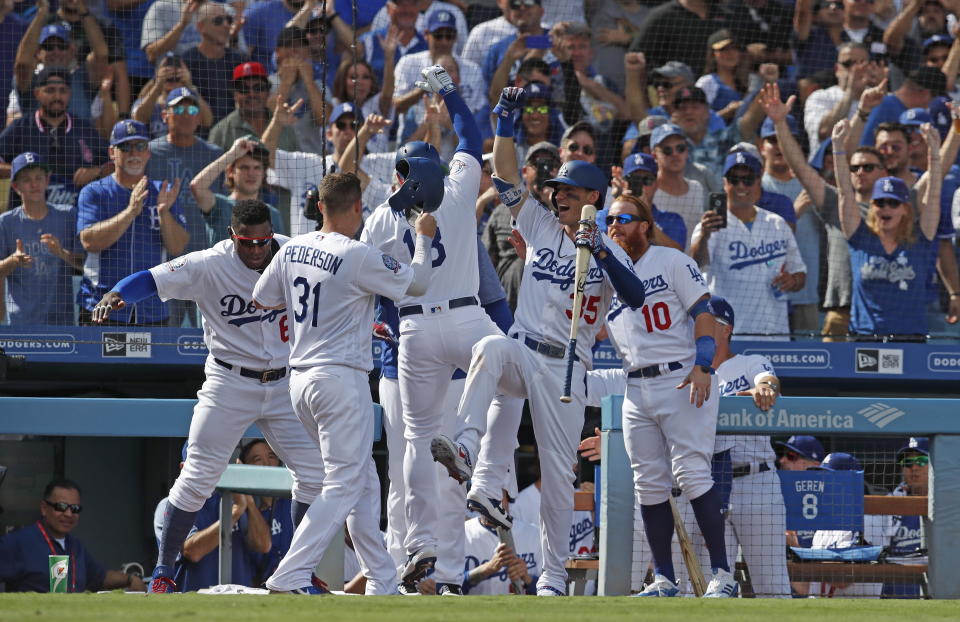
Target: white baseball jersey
pixel 380 168
pixel 661 331
pixel 222 286
pixel 741 373
pixel 328 282
pixel 527 509
pixel 454 249
pixel 481 542
pixel 743 263
pixel 546 297
pixel 298 172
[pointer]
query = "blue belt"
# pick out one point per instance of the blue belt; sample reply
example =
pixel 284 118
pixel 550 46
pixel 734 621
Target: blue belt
pixel 547 349
pixel 456 303
pixel 652 371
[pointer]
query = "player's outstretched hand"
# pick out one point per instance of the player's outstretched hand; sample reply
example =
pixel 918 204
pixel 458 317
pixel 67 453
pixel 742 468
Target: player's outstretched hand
pixel 426 225
pixel 111 301
pixel 699 382
pixel 511 99
pixel 763 396
pixel 436 80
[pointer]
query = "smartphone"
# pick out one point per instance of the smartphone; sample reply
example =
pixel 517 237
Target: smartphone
pixel 539 42
pixel 718 204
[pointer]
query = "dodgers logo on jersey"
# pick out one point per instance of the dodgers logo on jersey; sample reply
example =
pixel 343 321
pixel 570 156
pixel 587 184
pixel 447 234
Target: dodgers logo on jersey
pixel 743 256
pixel 695 274
pixel 578 533
pixel 234 305
pixel 729 388
pixel 561 273
pixel 176 264
pixel 390 263
pixel 653 285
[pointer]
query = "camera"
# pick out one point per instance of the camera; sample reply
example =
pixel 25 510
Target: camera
pixel 311 206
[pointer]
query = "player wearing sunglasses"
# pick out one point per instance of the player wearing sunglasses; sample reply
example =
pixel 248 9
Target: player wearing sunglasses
pixel 25 552
pixel 905 535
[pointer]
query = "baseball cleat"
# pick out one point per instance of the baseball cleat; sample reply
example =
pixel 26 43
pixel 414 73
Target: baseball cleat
pixel 162 581
pixel 448 589
pixel 661 586
pixel 309 590
pixel 722 585
pixel 408 589
pixel 418 564
pixel 546 590
pixel 453 456
pixel 489 507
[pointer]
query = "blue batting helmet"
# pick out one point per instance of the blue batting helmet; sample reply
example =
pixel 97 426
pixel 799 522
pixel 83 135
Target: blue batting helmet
pixel 582 175
pixel 422 188
pixel 417 149
pixel 838 461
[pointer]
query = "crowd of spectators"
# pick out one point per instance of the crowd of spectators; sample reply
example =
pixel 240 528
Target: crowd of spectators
pixel 144 120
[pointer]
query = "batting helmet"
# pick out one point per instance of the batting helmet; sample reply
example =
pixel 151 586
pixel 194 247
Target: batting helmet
pixel 422 188
pixel 838 461
pixel 582 175
pixel 418 149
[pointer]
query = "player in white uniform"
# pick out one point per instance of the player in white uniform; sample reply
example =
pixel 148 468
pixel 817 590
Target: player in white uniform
pixel 246 371
pixel 666 345
pixel 437 331
pixel 532 364
pixel 327 282
pixel 490 565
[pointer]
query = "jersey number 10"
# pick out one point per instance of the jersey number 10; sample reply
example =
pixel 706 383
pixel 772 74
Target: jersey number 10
pixel 657 316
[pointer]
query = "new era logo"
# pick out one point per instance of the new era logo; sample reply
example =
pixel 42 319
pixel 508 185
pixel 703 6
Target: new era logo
pixel 868 360
pixel 127 345
pixel 114 344
pixel 880 414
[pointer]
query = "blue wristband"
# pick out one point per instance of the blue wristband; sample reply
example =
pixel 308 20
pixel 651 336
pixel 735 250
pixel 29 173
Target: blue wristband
pixel 505 126
pixel 706 349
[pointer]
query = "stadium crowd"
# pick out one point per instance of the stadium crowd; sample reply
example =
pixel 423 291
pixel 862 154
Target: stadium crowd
pixel 601 79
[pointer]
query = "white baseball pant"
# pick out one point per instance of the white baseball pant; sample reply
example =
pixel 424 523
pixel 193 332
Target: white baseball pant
pixel 505 365
pixel 334 406
pixel 228 404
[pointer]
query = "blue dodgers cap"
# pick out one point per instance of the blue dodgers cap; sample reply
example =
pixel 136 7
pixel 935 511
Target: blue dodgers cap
pixel 55 31
pixel 582 175
pixel 422 188
pixel 816 160
pixel 940 115
pixel 838 461
pixel 662 132
pixel 28 159
pixel 180 93
pixel 768 130
pixel 721 309
pixel 807 446
pixel 639 162
pixel 537 90
pixel 128 130
pixel 742 158
pixel 342 109
pixel 441 19
pixel 915 117
pixel 937 40
pixel 890 188
pixel 917 444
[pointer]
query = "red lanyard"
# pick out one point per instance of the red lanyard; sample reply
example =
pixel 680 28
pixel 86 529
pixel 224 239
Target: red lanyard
pixel 72 571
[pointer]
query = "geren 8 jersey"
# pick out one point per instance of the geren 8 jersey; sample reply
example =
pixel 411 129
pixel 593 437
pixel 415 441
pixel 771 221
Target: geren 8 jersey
pixel 454 248
pixel 234 330
pixel 328 282
pixel 661 331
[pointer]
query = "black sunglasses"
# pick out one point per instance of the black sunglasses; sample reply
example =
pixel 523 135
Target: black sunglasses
pixel 746 180
pixel 220 19
pixel 344 125
pixel 866 168
pixel 661 84
pixel 255 87
pixel 847 64
pixel 129 146
pixel 444 36
pixel 60 506
pixel 49 46
pixel 893 203
pixel 575 147
pixel 668 151
pixel 646 180
pixel 621 219
pixel 251 242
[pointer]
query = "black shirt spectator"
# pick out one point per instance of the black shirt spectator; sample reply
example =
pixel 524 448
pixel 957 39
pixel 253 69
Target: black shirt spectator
pixel 767 22
pixel 658 37
pixel 211 62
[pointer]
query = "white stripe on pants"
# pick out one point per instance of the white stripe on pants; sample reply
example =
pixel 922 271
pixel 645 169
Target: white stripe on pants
pixel 227 405
pixel 334 404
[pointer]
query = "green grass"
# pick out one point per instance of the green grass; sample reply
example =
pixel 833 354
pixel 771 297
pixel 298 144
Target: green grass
pixel 190 607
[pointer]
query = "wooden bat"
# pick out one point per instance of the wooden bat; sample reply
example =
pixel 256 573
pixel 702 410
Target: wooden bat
pixel 506 537
pixel 588 217
pixel 690 560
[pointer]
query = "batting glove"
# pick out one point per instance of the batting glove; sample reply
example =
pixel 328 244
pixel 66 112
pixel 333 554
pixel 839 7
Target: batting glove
pixel 511 99
pixel 510 195
pixel 436 80
pixel 590 237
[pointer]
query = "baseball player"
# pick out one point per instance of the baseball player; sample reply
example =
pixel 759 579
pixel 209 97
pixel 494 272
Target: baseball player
pixel 490 565
pixel 532 364
pixel 328 283
pixel 667 345
pixel 438 329
pixel 246 371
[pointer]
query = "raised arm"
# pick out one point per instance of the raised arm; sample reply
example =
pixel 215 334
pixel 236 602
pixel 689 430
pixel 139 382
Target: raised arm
pixel 171 38
pixel 853 85
pixel 849 210
pixel 172 233
pixel 104 234
pixel 506 176
pixel 26 58
pixel 896 32
pixel 803 19
pixel 349 160
pixel 865 122
pixel 437 80
pixel 200 184
pixel 635 69
pixel 283 115
pixel 930 201
pixel 792 152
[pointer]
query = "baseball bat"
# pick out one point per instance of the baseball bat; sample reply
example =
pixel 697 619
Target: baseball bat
pixel 506 537
pixel 588 217
pixel 690 559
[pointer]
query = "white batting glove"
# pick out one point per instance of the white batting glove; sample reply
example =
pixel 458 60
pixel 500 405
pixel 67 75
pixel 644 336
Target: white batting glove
pixel 436 80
